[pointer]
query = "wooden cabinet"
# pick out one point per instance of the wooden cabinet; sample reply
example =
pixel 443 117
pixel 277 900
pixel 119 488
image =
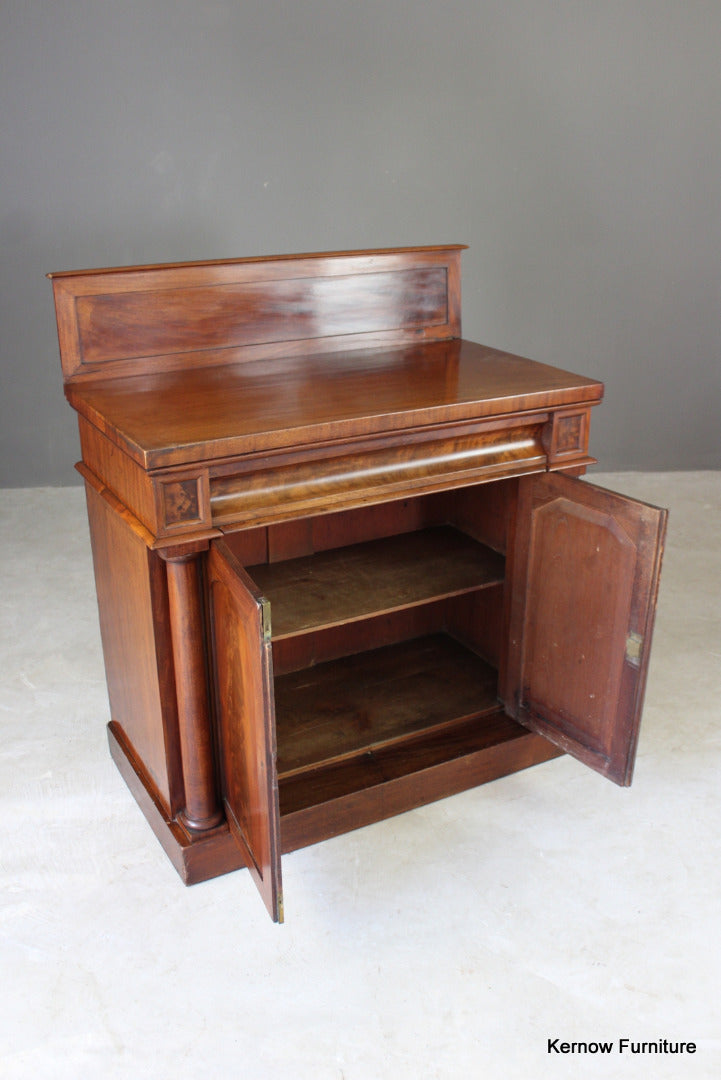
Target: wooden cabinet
pixel 344 561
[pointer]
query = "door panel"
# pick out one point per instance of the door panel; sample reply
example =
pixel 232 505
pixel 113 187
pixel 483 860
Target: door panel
pixel 243 666
pixel 584 579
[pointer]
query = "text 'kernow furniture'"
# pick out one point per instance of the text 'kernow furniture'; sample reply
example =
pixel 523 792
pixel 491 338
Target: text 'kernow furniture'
pixel 344 562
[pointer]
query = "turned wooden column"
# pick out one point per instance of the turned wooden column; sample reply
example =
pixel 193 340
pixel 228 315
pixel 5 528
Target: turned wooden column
pixel 196 741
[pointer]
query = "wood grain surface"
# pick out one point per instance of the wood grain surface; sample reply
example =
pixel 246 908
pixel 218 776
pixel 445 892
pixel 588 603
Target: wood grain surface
pixel 349 583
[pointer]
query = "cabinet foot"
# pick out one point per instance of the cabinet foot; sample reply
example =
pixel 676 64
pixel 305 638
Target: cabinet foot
pixel 197 857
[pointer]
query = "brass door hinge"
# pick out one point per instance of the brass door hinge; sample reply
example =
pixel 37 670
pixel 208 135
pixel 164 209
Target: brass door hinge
pixel 265 619
pixel 634 645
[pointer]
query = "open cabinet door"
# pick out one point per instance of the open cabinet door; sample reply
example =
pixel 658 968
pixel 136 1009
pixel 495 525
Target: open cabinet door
pixel 243 663
pixel 584 575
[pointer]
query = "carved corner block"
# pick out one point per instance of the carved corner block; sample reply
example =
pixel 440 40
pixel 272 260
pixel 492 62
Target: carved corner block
pixel 565 436
pixel 182 502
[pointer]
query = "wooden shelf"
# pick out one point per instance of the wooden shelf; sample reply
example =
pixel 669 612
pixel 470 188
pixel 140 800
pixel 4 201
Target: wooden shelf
pixel 424 750
pixel 362 702
pixel 335 587
pixel 369 787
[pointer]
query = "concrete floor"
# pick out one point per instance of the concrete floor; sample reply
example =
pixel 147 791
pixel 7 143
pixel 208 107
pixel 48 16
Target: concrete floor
pixel 454 941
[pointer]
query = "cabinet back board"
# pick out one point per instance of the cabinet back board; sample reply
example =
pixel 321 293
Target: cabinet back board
pixel 166 318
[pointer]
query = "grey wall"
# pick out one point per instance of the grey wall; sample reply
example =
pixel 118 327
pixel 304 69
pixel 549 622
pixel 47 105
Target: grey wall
pixel 574 144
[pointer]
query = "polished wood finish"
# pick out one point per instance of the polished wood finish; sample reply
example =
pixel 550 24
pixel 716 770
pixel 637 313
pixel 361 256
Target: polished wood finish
pixel 310 435
pixel 273 488
pixel 135 629
pixel 246 721
pixel 199 414
pixel 112 326
pixel 200 810
pixel 580 680
pixel 194 315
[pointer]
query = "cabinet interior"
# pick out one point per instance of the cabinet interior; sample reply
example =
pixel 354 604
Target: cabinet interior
pixel 386 630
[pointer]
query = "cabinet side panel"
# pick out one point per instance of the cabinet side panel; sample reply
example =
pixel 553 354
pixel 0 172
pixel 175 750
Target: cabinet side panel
pixel 132 602
pixel 119 472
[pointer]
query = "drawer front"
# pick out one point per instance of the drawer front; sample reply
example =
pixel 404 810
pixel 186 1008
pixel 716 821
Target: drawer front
pixel 271 488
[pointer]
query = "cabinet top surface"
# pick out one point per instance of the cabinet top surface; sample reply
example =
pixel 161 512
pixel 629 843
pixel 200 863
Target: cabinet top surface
pixel 196 415
pixel 195 363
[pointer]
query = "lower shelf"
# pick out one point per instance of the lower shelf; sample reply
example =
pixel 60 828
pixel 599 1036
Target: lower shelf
pixel 374 734
pixel 336 798
pixel 371 699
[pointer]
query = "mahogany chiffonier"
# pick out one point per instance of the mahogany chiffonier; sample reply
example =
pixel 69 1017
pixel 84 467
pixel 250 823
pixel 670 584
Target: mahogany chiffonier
pixel 345 564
